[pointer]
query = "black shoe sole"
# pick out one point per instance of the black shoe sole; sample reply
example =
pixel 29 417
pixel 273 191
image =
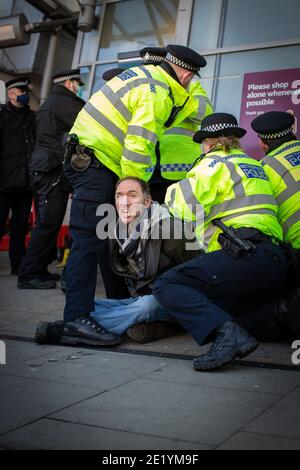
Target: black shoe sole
pixel 241 354
pixel 77 340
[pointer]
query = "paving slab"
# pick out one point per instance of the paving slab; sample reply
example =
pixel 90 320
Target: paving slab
pixel 98 369
pixel 48 434
pixel 192 413
pixel 24 400
pixel 25 351
pixel 282 420
pixel 253 441
pixel 231 378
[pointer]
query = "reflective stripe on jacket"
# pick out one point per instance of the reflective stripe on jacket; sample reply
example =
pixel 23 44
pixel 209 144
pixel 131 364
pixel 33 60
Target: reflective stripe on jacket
pixel 123 121
pixel 231 186
pixel 283 169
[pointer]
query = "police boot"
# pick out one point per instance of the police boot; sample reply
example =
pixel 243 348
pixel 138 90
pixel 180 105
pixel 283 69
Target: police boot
pixel 232 341
pixel 287 311
pixel 49 332
pixel 85 330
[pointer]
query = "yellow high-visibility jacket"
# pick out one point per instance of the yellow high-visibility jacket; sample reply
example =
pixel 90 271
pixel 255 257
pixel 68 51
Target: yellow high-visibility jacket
pixel 123 121
pixel 177 149
pixel 282 166
pixel 228 186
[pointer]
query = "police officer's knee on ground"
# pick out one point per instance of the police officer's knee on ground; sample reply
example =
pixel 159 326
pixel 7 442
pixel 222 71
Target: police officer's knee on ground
pixel 237 223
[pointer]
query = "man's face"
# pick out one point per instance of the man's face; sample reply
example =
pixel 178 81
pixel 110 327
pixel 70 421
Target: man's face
pixel 130 201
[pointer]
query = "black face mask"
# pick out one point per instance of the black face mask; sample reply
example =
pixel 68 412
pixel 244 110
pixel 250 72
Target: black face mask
pixel 23 99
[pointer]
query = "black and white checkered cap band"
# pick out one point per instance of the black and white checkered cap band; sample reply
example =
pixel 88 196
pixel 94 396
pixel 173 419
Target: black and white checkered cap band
pixel 181 63
pixel 67 77
pixel 276 135
pixel 218 127
pixel 153 57
pixel 18 85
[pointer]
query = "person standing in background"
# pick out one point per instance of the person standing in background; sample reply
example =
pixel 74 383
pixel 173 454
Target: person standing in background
pixel 55 117
pixel 16 144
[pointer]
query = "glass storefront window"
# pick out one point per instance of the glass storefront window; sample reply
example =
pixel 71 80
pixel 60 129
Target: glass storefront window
pixel 261 21
pixel 233 67
pixel 133 24
pixel 85 76
pixel 205 24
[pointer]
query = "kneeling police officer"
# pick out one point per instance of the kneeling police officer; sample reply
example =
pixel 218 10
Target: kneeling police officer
pixel 228 196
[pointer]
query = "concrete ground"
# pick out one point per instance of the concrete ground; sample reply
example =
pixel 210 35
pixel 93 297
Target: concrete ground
pixel 135 396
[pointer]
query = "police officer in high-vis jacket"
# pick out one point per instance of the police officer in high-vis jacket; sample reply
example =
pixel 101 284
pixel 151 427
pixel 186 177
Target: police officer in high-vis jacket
pixel 282 165
pixel 176 150
pixel 228 197
pixel 117 131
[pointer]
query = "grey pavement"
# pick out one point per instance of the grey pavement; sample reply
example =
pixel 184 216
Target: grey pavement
pixel 58 397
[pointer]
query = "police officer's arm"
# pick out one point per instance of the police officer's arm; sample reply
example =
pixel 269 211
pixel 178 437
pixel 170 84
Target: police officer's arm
pixel 192 198
pixel 149 113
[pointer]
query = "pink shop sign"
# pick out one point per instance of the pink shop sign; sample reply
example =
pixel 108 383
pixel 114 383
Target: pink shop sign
pixel 278 90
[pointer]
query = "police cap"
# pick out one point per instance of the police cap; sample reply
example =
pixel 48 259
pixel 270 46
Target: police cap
pixel 153 55
pixel 63 76
pixel 19 82
pixel 111 73
pixel 185 58
pixel 219 124
pixel 273 125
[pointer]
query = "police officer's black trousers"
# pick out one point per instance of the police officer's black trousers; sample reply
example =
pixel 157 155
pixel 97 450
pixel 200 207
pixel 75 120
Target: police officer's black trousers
pixel 211 289
pixel 19 202
pixel 92 188
pixel 51 195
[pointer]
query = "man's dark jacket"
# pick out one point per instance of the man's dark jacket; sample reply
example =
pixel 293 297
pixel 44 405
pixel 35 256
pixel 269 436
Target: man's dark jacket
pixel 54 118
pixel 16 145
pixel 157 255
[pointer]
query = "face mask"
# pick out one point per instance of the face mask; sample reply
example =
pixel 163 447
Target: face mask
pixel 23 99
pixel 79 92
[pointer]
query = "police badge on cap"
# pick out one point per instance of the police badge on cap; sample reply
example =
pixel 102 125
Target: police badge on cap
pixel 185 58
pixel 273 125
pixel 153 55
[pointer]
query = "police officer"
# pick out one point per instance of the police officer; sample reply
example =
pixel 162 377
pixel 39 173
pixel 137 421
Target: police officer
pixel 228 197
pixel 282 165
pixel 16 142
pixel 54 118
pixel 117 130
pixel 176 150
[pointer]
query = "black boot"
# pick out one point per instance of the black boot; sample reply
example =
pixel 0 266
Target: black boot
pixel 287 312
pixel 232 342
pixel 49 332
pixel 85 330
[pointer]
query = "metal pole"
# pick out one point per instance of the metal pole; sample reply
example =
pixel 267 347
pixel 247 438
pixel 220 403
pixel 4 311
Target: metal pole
pixel 46 83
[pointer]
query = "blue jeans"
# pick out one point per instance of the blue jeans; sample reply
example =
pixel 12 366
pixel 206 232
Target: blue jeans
pixel 118 315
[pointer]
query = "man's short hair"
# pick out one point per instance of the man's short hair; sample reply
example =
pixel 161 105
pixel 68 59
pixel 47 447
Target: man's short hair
pixel 143 184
